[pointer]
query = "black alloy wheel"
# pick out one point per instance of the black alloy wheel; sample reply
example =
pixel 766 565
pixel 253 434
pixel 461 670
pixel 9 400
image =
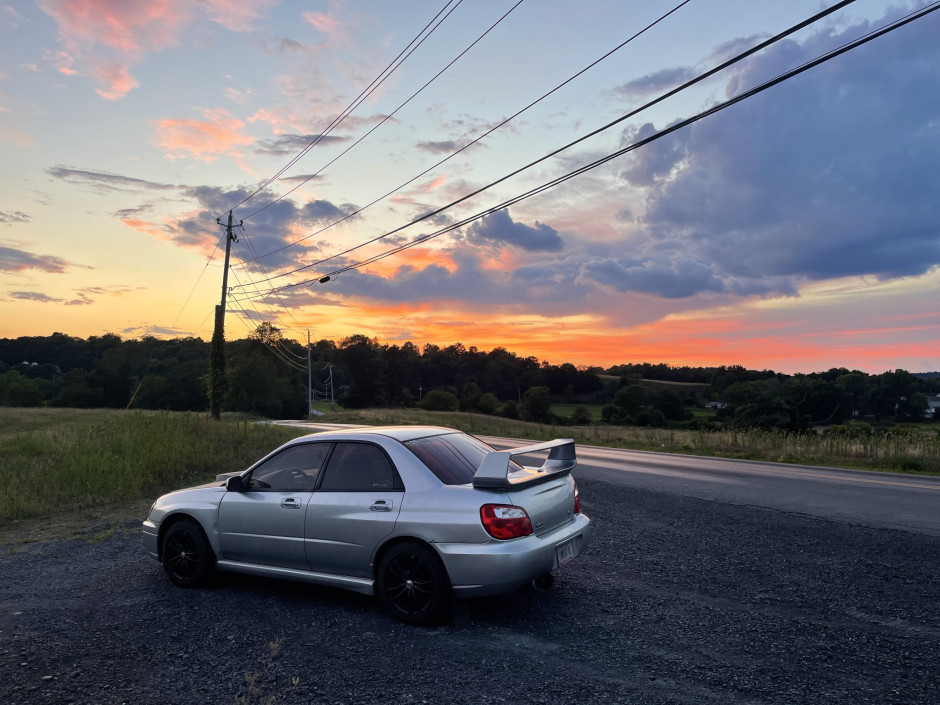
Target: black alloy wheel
pixel 187 557
pixel 412 583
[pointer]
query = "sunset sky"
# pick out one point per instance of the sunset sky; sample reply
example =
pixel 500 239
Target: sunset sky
pixel 796 230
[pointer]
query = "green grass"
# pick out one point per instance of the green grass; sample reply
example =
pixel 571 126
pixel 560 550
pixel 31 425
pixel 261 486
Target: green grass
pixel 565 410
pixel 91 470
pixel 60 460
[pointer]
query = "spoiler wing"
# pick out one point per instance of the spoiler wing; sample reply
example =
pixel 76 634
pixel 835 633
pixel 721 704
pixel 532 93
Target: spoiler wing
pixel 493 472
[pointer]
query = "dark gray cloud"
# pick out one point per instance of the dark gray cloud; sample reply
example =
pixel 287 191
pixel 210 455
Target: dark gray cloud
pixel 103 182
pixel 13 259
pixel 268 236
pixel 670 279
pixel 289 145
pixel 823 176
pixel 10 217
pixel 499 227
pixel 659 82
pixel 33 296
pixel 447 146
pixel 83 297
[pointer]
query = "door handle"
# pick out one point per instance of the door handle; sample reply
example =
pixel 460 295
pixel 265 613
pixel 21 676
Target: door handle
pixel 290 503
pixel 380 505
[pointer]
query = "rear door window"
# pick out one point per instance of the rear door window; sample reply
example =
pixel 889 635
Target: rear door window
pixel 359 467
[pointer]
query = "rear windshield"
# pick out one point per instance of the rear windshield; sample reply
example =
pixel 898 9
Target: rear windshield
pixel 453 457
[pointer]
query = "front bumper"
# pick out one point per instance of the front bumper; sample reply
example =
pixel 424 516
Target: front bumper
pixel 503 566
pixel 151 534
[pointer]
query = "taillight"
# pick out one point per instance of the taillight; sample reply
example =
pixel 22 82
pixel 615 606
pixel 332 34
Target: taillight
pixel 577 500
pixel 505 521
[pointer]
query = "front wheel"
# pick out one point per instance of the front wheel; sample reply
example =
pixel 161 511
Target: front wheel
pixel 412 583
pixel 187 557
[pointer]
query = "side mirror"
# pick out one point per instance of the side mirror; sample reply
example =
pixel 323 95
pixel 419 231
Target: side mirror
pixel 234 484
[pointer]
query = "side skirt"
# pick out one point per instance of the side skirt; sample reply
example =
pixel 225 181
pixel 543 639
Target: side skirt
pixel 363 586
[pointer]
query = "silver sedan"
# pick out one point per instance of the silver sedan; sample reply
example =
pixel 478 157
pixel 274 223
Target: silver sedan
pixel 414 515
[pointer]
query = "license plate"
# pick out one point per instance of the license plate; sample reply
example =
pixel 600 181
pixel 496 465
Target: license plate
pixel 566 552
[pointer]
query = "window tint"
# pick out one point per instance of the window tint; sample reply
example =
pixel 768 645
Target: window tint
pixel 359 467
pixel 293 469
pixel 453 458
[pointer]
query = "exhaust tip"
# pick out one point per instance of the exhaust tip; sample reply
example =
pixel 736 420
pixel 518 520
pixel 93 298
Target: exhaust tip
pixel 543 582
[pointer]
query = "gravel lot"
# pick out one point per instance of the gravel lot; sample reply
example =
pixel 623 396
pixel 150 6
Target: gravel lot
pixel 677 600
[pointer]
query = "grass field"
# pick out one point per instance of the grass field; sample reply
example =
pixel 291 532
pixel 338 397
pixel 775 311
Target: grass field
pixel 82 463
pixel 54 460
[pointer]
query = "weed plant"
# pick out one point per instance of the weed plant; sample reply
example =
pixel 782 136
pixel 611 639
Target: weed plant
pixel 53 460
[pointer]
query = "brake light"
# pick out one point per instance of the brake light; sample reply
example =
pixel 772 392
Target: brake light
pixel 505 521
pixel 577 500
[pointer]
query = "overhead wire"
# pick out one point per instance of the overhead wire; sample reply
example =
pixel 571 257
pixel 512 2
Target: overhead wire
pixel 684 86
pixel 277 347
pixel 481 136
pixel 388 117
pixel 251 247
pixel 827 56
pixel 365 93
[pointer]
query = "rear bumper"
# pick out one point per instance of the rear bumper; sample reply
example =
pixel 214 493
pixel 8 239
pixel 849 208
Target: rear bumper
pixel 504 566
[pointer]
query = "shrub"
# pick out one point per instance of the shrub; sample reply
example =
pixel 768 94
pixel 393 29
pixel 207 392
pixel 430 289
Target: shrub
pixel 439 400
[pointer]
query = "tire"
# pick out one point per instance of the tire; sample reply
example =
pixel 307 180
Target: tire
pixel 187 557
pixel 412 583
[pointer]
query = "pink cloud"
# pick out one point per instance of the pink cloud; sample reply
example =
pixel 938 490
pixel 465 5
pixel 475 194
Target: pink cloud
pixel 439 181
pixel 109 36
pixel 129 28
pixel 117 78
pixel 201 139
pixel 280 119
pixel 327 24
pixel 237 15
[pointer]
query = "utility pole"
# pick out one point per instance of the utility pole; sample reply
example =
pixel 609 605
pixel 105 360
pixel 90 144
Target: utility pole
pixel 217 380
pixel 330 368
pixel 309 380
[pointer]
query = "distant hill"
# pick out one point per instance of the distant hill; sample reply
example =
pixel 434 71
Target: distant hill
pixel 926 375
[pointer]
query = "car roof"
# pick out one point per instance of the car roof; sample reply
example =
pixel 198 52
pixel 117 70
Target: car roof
pixel 364 433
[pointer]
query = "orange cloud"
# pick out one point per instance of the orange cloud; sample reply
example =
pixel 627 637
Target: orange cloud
pixel 201 139
pixel 418 258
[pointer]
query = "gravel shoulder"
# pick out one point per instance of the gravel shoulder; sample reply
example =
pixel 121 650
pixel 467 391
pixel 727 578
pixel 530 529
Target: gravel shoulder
pixel 677 600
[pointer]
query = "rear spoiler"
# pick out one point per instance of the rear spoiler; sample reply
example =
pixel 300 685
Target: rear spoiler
pixel 493 472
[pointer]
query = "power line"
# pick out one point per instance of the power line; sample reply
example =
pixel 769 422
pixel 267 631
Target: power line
pixel 255 254
pixel 391 114
pixel 365 93
pixel 701 77
pixel 636 145
pixel 474 141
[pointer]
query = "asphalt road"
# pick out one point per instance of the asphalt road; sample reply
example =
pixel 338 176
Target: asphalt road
pixel 679 599
pixel 887 500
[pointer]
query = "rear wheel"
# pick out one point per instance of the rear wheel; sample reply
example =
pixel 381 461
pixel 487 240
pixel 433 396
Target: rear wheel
pixel 187 557
pixel 412 583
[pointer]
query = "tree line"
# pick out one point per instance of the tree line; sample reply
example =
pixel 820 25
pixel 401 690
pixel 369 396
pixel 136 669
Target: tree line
pixel 267 375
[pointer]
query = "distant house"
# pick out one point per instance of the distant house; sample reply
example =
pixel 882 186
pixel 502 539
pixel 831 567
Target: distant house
pixel 715 405
pixel 933 403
